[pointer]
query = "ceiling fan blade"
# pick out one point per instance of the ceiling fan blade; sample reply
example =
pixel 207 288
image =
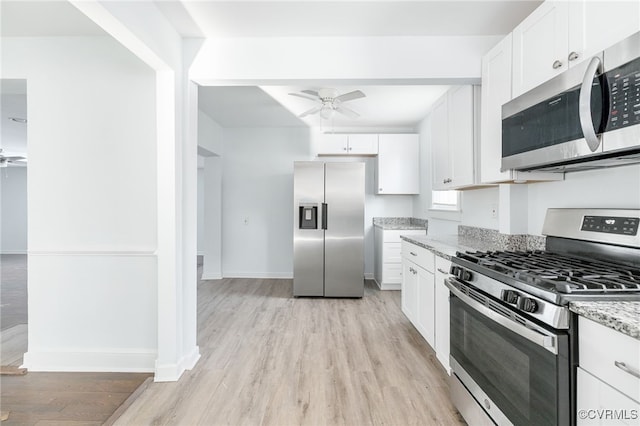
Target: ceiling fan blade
pixel 356 94
pixel 311 92
pixel 311 111
pixel 347 111
pixel 306 96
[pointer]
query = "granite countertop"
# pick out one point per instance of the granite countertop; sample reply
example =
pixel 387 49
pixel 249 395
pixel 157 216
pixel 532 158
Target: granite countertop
pixel 447 245
pixel 400 223
pixel 621 316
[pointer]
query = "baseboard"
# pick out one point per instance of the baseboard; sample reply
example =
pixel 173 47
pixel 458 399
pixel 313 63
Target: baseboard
pixel 369 276
pixel 172 372
pixel 113 362
pixel 211 276
pixel 237 274
pixel 388 286
pixel 13 252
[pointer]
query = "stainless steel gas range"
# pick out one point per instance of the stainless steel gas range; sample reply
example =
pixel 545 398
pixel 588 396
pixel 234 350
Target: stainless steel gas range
pixel 513 339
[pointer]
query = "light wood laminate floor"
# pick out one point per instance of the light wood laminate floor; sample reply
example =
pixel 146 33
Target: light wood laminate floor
pixel 271 359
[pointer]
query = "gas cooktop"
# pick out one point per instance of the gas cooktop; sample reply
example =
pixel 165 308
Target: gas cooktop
pixel 559 272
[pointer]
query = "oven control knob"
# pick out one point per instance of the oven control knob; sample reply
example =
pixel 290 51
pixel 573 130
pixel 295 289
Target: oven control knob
pixel 529 305
pixel 466 275
pixel 454 270
pixel 510 296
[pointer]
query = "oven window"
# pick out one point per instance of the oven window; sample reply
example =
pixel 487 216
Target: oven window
pixel 522 379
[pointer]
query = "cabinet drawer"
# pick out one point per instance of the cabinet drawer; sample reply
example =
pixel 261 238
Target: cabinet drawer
pixel 420 256
pixel 602 350
pixel 393 235
pixel 391 253
pixel 443 265
pixel 392 273
pixel 600 404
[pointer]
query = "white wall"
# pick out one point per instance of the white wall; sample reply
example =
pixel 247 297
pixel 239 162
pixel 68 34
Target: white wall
pixel 258 186
pixel 13 210
pixel 477 205
pixel 211 146
pixel 92 203
pixel 257 199
pixel 200 209
pixel 616 187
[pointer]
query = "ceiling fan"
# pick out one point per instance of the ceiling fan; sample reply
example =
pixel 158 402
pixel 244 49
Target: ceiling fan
pixel 6 160
pixel 329 101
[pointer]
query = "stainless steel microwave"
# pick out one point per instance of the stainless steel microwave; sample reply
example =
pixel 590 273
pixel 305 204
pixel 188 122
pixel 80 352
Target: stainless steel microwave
pixel 587 117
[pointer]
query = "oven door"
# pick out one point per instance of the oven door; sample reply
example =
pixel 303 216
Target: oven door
pixel 515 369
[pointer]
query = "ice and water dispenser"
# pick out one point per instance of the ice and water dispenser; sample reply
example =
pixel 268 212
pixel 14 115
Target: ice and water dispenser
pixel 308 216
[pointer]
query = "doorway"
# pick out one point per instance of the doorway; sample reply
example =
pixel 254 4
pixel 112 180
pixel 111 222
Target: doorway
pixel 13 225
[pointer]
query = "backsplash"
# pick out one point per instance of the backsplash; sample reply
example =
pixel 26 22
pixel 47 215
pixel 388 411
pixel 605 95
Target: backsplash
pixel 509 242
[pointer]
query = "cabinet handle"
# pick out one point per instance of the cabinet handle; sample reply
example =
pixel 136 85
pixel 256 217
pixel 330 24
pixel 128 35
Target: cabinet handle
pixel 622 366
pixel 344 149
pixel 379 189
pixel 447 180
pixel 441 271
pixel 349 148
pixel 556 65
pixel 573 56
pixel 412 253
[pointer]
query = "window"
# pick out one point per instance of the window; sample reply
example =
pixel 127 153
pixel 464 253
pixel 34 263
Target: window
pixel 444 200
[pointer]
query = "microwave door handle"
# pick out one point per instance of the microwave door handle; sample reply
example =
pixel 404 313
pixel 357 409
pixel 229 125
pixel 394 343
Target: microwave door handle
pixel 584 104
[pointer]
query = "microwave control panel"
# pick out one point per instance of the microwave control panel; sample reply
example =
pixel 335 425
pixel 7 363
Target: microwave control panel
pixel 624 95
pixel 611 225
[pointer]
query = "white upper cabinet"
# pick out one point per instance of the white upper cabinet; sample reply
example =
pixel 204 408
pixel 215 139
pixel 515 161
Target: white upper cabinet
pixel 496 91
pixel 561 34
pixel 348 144
pixel 398 164
pixel 596 25
pixel 453 139
pixel 540 46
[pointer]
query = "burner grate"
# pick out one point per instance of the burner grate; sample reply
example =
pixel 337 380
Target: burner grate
pixel 562 273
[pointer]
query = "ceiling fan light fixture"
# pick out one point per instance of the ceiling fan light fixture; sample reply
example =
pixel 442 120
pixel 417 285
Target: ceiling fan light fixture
pixel 326 112
pixel 18 120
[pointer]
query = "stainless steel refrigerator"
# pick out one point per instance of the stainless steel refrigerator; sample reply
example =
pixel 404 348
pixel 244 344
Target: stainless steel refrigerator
pixel 328 234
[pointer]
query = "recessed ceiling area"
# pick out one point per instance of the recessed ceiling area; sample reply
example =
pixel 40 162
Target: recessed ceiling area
pixel 13 103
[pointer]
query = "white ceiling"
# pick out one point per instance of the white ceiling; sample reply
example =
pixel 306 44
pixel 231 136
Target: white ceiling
pixel 307 18
pixel 384 106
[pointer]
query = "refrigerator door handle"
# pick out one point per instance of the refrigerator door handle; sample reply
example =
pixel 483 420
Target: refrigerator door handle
pixel 324 215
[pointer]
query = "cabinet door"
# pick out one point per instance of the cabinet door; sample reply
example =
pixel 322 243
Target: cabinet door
pixel 588 33
pixel 409 291
pixel 440 166
pixel 461 136
pixel 442 312
pixel 496 91
pixel 540 46
pixel 398 164
pixel 363 144
pixel 332 144
pixel 426 306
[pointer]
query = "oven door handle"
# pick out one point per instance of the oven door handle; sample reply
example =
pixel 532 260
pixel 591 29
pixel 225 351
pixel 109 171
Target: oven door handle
pixel 548 342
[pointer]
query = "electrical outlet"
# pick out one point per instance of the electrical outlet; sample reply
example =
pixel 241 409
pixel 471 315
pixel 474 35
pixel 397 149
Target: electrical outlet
pixel 494 211
pixel 246 221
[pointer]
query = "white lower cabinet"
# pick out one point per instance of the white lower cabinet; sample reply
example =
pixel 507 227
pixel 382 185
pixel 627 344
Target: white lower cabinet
pixel 387 270
pixel 425 318
pixel 442 312
pixel 425 298
pixel 409 293
pixel 608 381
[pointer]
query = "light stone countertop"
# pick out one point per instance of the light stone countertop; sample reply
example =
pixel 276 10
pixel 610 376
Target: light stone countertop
pixel 620 316
pixel 447 245
pixel 400 223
